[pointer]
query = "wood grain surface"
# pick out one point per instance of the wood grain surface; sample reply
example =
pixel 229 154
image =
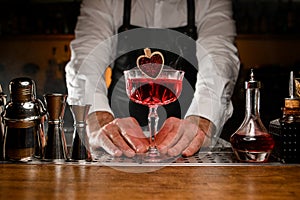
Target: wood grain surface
pixel 49 181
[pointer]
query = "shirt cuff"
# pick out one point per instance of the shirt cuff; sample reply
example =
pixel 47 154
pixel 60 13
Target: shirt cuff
pixel 212 109
pixel 100 103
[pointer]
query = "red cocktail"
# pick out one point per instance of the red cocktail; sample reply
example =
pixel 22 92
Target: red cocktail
pixel 153 92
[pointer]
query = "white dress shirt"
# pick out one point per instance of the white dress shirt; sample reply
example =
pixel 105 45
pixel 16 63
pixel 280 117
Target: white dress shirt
pixel 218 63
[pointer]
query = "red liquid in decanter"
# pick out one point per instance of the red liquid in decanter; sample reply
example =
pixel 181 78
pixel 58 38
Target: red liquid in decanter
pixel 255 148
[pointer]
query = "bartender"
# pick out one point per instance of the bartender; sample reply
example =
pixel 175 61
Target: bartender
pixel 210 63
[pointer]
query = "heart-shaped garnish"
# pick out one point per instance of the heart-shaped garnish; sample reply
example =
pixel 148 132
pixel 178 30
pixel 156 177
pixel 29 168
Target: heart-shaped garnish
pixel 150 64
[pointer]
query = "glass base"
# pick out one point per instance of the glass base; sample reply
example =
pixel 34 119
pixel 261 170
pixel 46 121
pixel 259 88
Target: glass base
pixel 252 156
pixel 154 156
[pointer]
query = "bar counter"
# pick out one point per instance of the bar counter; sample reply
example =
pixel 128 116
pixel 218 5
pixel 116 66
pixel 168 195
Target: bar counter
pixel 75 181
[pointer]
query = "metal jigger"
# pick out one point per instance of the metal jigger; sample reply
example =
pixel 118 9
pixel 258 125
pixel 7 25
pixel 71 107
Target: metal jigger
pixel 79 150
pixel 56 148
pixel 2 104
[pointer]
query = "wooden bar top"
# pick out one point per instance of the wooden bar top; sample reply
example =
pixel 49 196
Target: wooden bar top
pixel 54 181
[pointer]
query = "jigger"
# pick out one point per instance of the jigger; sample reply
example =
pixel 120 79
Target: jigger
pixel 56 148
pixel 79 150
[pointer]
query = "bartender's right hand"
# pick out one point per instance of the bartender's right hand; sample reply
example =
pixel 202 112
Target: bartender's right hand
pixel 121 136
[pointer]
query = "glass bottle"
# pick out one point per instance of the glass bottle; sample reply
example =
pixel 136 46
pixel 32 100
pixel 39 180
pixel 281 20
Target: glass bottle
pixel 285 130
pixel 251 142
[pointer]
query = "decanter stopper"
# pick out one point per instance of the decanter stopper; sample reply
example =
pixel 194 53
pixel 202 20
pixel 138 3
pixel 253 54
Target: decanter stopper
pixel 251 142
pixel 79 150
pixel 292 103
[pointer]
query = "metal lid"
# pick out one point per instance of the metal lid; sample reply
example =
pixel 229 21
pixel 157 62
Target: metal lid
pixel 22 89
pixel 252 83
pixel 23 110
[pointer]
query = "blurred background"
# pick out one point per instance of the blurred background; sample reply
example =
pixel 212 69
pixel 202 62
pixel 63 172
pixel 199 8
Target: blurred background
pixel 35 37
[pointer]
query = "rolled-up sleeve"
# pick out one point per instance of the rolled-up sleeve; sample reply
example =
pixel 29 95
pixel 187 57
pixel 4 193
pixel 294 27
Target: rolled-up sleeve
pixel 218 63
pixel 92 51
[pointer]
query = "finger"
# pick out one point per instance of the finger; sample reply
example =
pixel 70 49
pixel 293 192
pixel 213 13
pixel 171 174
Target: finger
pixel 183 142
pixel 170 124
pixel 140 145
pixel 109 146
pixel 189 131
pixel 194 145
pixel 133 134
pixel 163 132
pixel 173 134
pixel 113 133
pixel 179 146
pixel 169 142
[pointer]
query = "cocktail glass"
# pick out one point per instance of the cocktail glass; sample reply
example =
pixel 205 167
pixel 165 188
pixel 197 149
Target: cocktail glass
pixel 153 92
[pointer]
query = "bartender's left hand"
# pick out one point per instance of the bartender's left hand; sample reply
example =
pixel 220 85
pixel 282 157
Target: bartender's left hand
pixel 183 136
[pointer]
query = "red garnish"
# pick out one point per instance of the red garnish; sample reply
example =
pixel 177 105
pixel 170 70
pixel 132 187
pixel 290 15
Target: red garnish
pixel 150 64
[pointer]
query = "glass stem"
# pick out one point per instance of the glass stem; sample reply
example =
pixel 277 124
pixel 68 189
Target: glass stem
pixel 153 121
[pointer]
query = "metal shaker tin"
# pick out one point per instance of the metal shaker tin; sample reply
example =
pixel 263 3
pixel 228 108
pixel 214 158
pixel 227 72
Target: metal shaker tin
pixel 23 121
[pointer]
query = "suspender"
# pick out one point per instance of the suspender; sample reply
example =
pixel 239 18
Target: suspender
pixel 191 13
pixel 127 12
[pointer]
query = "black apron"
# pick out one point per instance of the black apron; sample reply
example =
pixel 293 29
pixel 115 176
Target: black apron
pixel 179 52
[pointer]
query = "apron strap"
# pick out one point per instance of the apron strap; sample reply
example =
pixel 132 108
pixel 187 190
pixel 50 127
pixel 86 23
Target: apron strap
pixel 126 13
pixel 190 14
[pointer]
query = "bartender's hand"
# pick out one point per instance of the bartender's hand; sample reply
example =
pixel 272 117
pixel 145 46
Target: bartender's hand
pixel 183 136
pixel 116 136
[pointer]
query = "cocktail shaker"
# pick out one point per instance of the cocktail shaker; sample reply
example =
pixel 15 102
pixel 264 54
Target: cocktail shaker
pixel 56 148
pixel 23 122
pixel 2 104
pixel 79 150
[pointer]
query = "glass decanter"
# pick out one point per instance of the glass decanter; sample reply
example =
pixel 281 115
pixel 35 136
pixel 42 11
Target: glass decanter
pixel 252 142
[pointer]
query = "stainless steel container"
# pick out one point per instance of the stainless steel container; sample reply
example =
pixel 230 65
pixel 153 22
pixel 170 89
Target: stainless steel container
pixel 56 148
pixel 2 104
pixel 23 122
pixel 80 147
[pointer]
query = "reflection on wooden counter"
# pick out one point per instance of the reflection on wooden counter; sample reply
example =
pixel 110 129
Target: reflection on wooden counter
pixel 214 174
pixel 21 181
